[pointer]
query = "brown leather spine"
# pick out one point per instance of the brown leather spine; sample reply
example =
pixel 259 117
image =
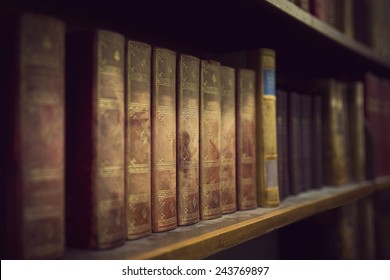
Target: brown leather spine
pixel 138 146
pixel 32 144
pixel 210 140
pixel 163 140
pixel 95 139
pixel 246 139
pixel 228 140
pixel 188 94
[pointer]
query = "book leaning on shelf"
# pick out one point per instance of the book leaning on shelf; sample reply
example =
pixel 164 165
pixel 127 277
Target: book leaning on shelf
pixel 95 139
pixel 32 142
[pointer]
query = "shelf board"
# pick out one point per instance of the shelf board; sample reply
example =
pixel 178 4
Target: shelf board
pixel 209 237
pixel 326 30
pixel 382 183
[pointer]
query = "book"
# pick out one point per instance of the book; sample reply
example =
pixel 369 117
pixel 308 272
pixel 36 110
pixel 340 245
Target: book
pixel 356 147
pixel 318 8
pixel 246 139
pixel 335 163
pixel 283 140
pixel 316 129
pixel 164 214
pixel 372 113
pixel 306 141
pixel 95 125
pixel 295 143
pixel 32 143
pixel 228 140
pixel 138 141
pixel 263 62
pixel 210 140
pixel 188 94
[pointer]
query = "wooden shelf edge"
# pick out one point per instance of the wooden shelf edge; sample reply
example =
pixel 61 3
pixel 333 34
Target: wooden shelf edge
pixel 382 183
pixel 327 31
pixel 209 237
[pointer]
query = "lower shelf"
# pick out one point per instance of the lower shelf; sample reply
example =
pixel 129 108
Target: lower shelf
pixel 209 237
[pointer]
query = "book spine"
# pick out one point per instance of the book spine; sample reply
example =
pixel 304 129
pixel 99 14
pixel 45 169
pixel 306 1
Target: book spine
pixel 32 170
pixel 228 140
pixel 294 132
pixel 356 131
pixel 306 142
pixel 95 144
pixel 263 61
pixel 188 94
pixel 164 215
pixel 210 140
pixel 317 141
pixel 138 142
pixel 282 138
pixel 246 139
pixel 334 132
pixel 318 8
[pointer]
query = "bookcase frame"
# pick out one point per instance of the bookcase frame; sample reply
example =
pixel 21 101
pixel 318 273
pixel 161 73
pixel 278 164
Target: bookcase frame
pixel 303 45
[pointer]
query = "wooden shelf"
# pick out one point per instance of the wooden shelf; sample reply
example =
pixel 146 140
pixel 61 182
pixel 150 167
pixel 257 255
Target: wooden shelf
pixel 209 237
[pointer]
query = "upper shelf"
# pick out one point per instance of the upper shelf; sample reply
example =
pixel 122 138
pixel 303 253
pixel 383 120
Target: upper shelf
pixel 209 237
pixel 304 45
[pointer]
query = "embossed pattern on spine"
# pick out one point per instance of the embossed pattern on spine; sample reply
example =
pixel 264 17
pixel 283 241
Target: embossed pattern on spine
pixel 246 139
pixel 164 215
pixel 210 140
pixel 188 140
pixel 138 142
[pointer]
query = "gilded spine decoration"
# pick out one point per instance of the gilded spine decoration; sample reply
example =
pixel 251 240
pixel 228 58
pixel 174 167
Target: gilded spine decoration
pixel 188 140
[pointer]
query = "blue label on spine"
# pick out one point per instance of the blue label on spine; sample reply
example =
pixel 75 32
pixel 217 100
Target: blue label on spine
pixel 269 81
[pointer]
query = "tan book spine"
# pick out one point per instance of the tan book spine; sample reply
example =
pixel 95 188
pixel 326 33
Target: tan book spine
pixel 210 140
pixel 188 94
pixel 228 140
pixel 138 145
pixel 356 131
pixel 334 132
pixel 246 139
pixel 263 62
pixel 32 124
pixel 95 135
pixel 163 140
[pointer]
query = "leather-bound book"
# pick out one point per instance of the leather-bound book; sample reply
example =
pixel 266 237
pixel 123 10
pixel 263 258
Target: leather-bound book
pixel 356 147
pixel 246 139
pixel 188 94
pixel 334 129
pixel 163 140
pixel 318 9
pixel 295 143
pixel 372 114
pixel 138 142
pixel 283 140
pixel 210 140
pixel 95 126
pixel 32 142
pixel 228 140
pixel 317 141
pixel 306 141
pixel 263 62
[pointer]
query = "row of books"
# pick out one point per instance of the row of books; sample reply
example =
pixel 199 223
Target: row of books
pixel 366 21
pixel 110 139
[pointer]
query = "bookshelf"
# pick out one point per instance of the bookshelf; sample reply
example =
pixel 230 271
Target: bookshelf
pixel 306 48
pixel 209 237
